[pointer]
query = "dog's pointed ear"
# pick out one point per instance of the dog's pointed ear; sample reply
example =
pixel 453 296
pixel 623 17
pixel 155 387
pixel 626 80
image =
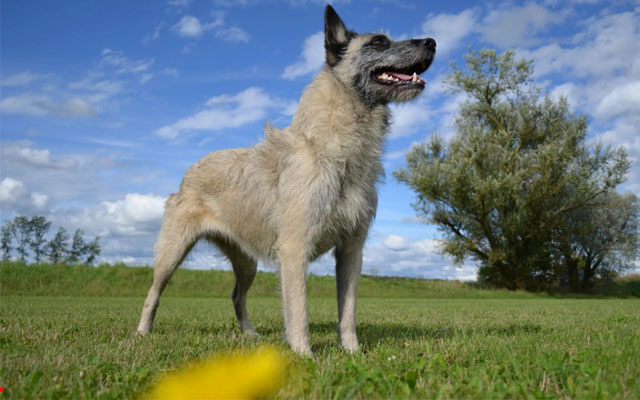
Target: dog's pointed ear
pixel 336 36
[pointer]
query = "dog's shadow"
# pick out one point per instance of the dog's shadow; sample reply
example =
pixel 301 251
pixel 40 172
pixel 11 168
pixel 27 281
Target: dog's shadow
pixel 324 335
pixel 372 335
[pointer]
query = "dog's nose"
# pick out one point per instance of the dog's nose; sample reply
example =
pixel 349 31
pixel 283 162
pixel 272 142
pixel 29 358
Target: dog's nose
pixel 429 43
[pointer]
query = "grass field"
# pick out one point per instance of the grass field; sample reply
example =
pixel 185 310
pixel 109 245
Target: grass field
pixel 474 344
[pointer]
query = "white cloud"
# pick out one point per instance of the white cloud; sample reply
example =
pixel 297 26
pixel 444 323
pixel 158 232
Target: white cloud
pixel 122 64
pixel 227 111
pixel 449 30
pixel 395 243
pixel 22 79
pixel 601 72
pixel 115 62
pixel 625 132
pixel 76 191
pixel 127 227
pixel 570 90
pixel 191 27
pixel 206 256
pixel 399 256
pixel 81 98
pixel 188 26
pixel 15 198
pixel 71 178
pixel 136 214
pixel 620 100
pixel 394 155
pixel 232 34
pixel 425 115
pixel 407 118
pixel 311 58
pixel 41 105
pixel 608 47
pixel 99 90
pixel 27 156
pixel 518 26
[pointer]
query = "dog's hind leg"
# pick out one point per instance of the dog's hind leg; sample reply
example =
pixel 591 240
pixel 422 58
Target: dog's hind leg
pixel 348 266
pixel 177 236
pixel 244 268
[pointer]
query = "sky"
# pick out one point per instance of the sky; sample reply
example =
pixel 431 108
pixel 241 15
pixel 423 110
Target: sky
pixel 105 104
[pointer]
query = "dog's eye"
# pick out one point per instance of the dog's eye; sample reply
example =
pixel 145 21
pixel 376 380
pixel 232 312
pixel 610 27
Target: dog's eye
pixel 380 42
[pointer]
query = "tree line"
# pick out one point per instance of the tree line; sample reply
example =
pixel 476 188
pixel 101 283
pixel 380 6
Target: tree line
pixel 23 235
pixel 519 188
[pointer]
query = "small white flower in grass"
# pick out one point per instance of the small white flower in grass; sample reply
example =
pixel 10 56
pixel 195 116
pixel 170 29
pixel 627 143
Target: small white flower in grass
pixel 392 357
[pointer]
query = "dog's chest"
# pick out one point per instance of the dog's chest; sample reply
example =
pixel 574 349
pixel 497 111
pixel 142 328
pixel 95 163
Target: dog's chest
pixel 355 201
pixel 359 171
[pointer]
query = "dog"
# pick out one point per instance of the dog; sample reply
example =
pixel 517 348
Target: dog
pixel 306 189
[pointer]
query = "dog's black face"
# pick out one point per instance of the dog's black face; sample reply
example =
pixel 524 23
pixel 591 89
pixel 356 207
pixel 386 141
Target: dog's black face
pixel 380 69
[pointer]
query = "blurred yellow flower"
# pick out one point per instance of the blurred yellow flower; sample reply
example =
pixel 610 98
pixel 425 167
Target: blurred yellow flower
pixel 234 376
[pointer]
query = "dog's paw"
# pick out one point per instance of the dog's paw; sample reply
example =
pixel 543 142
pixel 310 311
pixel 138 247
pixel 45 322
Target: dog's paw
pixel 143 330
pixel 251 332
pixel 350 343
pixel 302 350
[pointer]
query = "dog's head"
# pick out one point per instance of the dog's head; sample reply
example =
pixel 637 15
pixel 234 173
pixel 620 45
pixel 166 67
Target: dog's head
pixel 379 69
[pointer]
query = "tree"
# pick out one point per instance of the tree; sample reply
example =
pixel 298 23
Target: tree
pixel 516 169
pixel 78 247
pixel 92 250
pixel 6 233
pixel 599 238
pixel 39 227
pixel 22 233
pixel 57 248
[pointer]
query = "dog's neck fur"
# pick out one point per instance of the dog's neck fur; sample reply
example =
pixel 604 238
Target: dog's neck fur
pixel 337 122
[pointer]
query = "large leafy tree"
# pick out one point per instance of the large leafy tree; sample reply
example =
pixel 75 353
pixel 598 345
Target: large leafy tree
pixel 515 170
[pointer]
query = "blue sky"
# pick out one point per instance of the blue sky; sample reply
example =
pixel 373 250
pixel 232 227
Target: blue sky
pixel 105 104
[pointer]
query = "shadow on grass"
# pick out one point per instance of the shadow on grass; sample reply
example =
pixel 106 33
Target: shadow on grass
pixel 372 334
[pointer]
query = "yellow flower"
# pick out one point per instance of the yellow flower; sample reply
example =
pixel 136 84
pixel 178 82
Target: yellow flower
pixel 234 376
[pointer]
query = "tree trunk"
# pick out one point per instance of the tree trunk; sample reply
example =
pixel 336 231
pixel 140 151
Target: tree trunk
pixel 591 264
pixel 586 283
pixel 574 278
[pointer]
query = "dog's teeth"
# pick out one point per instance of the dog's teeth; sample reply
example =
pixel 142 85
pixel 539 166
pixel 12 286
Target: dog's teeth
pixel 386 77
pixel 415 77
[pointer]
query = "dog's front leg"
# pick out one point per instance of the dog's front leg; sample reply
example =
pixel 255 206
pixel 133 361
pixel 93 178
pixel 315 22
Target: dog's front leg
pixel 293 271
pixel 348 267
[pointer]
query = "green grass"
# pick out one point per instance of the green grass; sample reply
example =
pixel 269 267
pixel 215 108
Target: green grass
pixel 488 346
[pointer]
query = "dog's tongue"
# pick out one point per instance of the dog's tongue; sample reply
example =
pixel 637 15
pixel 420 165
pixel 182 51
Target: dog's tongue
pixel 400 76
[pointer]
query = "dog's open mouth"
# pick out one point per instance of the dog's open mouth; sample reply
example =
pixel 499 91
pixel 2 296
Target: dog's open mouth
pixel 405 77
